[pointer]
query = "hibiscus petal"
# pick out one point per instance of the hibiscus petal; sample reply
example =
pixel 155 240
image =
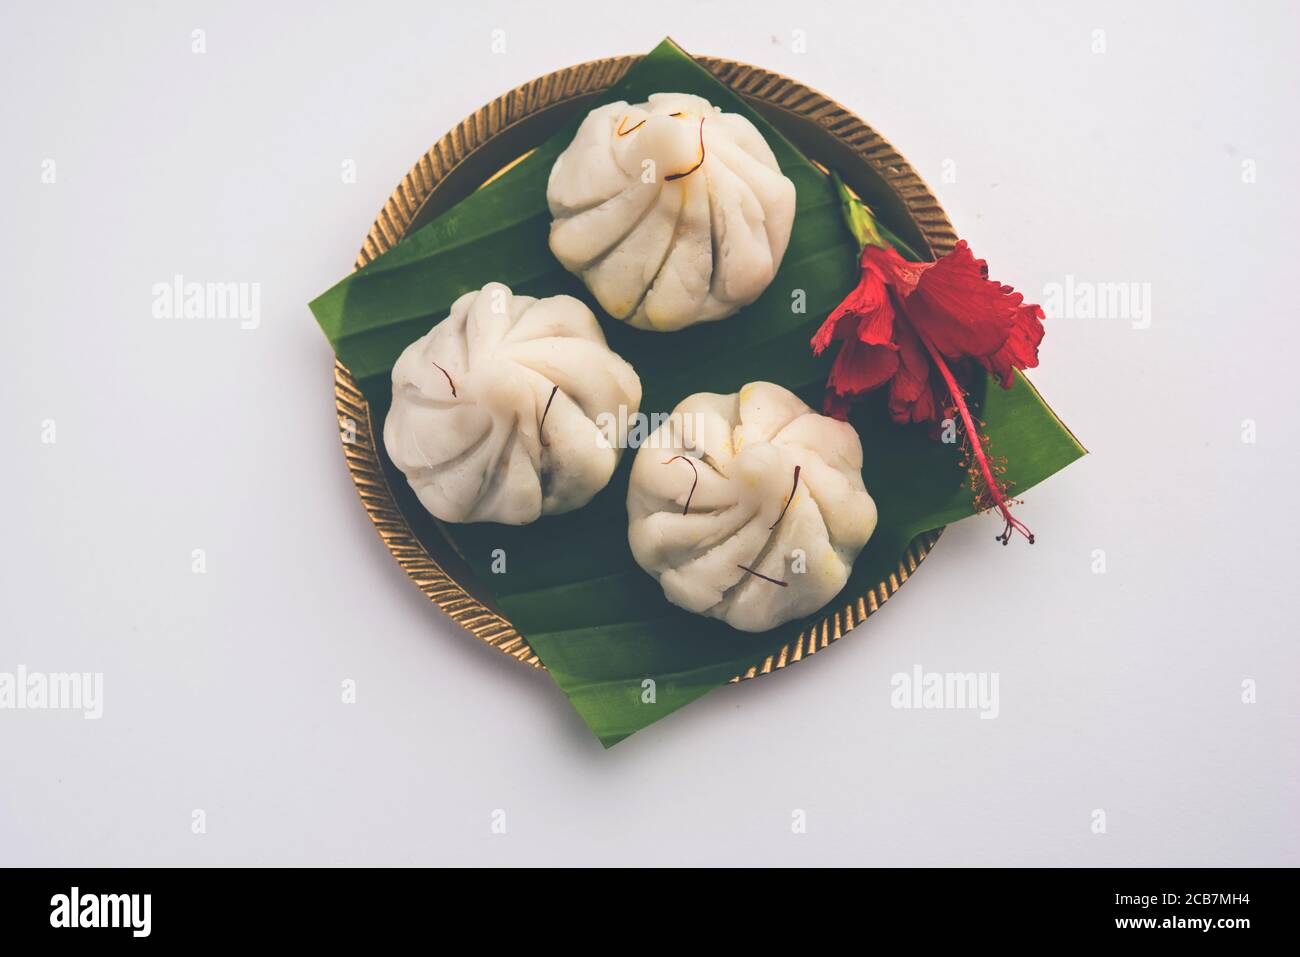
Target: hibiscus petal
pixel 838 325
pixel 867 313
pixel 925 408
pixel 826 333
pixel 860 368
pixel 836 406
pixel 958 310
pixel 1020 351
pixel 875 312
pixel 911 392
pixel 893 269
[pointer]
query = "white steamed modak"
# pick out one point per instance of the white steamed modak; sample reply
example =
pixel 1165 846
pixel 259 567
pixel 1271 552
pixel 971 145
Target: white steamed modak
pixel 719 516
pixel 495 410
pixel 671 211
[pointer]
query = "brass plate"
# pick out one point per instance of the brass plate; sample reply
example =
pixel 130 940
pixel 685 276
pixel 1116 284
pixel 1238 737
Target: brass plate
pixel 499 134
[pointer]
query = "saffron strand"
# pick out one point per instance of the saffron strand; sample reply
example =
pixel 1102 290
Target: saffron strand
pixel 448 375
pixel 786 507
pixel 687 507
pixel 774 581
pixel 700 162
pixel 541 438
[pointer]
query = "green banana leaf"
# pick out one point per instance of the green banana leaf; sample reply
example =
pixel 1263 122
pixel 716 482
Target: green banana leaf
pixel 597 621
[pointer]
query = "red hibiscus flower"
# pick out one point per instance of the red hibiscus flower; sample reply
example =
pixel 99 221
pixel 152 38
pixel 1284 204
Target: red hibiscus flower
pixel 920 329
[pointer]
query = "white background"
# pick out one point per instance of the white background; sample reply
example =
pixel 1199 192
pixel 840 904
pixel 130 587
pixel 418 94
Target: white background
pixel 1120 691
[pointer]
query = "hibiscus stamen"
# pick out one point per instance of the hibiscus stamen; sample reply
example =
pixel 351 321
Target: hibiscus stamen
pixel 991 482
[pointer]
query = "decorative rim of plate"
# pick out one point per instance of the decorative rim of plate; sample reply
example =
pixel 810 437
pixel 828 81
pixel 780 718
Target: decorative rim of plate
pixel 771 90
